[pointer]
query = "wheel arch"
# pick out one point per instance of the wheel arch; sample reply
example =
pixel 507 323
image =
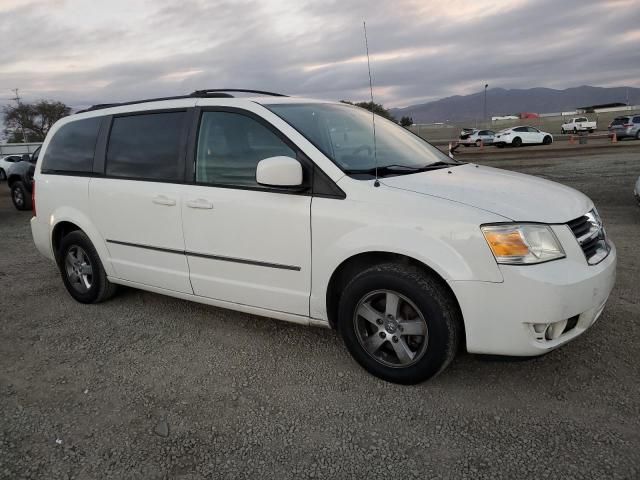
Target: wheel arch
pixel 358 262
pixel 67 220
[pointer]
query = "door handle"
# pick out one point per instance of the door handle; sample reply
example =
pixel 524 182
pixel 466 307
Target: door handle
pixel 200 203
pixel 163 200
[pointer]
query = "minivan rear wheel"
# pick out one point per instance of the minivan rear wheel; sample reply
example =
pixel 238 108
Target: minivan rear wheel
pixel 399 323
pixel 82 272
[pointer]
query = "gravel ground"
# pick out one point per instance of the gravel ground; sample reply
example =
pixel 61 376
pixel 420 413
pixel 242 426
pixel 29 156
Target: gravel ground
pixel 146 386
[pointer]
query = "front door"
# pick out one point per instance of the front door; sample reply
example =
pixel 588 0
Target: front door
pixel 137 206
pixel 245 243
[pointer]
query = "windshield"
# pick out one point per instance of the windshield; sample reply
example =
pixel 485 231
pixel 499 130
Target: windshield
pixel 344 133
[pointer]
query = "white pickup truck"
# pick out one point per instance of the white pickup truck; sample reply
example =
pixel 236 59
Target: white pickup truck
pixel 578 124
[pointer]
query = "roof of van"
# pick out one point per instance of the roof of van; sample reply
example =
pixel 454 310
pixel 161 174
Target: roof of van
pixel 261 97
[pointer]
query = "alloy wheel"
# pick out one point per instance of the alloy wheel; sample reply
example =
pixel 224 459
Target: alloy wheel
pixel 18 196
pixel 78 269
pixel 391 328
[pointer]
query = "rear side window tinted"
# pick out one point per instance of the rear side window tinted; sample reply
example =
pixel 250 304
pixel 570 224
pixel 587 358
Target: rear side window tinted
pixel 636 119
pixel 72 147
pixel 620 121
pixel 230 145
pixel 146 147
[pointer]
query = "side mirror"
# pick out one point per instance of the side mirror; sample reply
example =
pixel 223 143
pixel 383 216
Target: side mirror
pixel 279 172
pixel 26 157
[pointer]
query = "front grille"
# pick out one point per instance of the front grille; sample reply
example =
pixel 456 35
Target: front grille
pixel 591 237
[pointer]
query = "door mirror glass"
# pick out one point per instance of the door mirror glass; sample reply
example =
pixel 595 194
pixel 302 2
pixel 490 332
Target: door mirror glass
pixel 279 172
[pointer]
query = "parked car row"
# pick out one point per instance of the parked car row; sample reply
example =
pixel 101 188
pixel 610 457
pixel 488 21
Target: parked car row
pixel 514 136
pixel 18 171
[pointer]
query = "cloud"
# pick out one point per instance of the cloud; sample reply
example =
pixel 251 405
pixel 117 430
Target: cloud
pixel 85 52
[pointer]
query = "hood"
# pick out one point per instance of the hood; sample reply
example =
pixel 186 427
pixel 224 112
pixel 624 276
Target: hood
pixel 512 195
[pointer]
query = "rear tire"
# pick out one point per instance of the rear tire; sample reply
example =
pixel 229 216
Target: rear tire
pixel 562 131
pixel 517 142
pixel 82 272
pixel 575 130
pixel 412 327
pixel 3 176
pixel 20 196
pixel 638 135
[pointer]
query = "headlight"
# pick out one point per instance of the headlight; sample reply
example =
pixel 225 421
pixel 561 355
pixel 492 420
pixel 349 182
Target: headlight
pixel 519 244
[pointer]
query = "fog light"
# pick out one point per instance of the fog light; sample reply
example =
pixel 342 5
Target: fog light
pixel 554 330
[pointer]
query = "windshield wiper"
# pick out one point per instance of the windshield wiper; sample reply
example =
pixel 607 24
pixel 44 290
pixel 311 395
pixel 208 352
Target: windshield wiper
pixel 399 169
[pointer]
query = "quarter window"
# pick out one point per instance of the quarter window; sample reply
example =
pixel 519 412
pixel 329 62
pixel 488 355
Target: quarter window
pixel 72 147
pixel 146 147
pixel 230 145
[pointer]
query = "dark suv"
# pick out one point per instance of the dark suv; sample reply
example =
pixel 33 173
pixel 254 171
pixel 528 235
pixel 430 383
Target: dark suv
pixel 626 126
pixel 20 181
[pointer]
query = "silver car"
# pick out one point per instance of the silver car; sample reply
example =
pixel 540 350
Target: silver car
pixel 626 126
pixel 477 137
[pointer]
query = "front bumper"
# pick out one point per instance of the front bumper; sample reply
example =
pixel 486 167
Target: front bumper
pixel 505 318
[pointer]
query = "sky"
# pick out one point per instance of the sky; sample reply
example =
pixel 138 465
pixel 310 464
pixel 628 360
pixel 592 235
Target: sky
pixel 85 52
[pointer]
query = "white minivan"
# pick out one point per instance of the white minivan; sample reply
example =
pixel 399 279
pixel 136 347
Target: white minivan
pixel 291 209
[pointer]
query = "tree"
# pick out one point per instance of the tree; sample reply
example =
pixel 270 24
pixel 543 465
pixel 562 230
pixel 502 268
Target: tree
pixel 406 121
pixel 33 120
pixel 377 108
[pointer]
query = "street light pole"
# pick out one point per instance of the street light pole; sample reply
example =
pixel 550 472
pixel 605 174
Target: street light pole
pixel 485 102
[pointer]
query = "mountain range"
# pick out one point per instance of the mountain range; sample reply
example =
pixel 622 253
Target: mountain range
pixel 502 101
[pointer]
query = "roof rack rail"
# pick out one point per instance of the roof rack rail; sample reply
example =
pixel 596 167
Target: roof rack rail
pixel 213 92
pixel 208 93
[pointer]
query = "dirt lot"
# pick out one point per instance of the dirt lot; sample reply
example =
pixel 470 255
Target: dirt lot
pixel 146 386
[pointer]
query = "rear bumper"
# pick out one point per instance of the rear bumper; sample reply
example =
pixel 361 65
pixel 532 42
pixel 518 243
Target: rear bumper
pixel 509 318
pixel 41 237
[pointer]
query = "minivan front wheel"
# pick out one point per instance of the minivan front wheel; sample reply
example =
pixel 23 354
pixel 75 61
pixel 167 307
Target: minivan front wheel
pixel 399 323
pixel 82 272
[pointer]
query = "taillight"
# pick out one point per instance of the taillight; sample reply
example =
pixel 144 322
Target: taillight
pixel 33 197
pixel 627 125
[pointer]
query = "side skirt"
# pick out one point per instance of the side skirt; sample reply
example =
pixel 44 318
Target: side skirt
pixel 262 312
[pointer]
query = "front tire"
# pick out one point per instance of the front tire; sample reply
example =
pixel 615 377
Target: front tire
pixel 546 140
pixel 399 323
pixel 3 176
pixel 82 272
pixel 20 196
pixel 638 135
pixel 562 131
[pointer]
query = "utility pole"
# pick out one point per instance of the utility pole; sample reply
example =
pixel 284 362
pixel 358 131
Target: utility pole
pixel 17 99
pixel 484 117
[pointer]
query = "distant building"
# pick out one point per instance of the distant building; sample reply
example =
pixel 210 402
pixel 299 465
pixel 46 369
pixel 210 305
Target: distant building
pixel 603 106
pixel 504 117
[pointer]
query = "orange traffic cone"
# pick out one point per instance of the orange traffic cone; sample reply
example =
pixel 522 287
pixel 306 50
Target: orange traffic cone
pixel 614 138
